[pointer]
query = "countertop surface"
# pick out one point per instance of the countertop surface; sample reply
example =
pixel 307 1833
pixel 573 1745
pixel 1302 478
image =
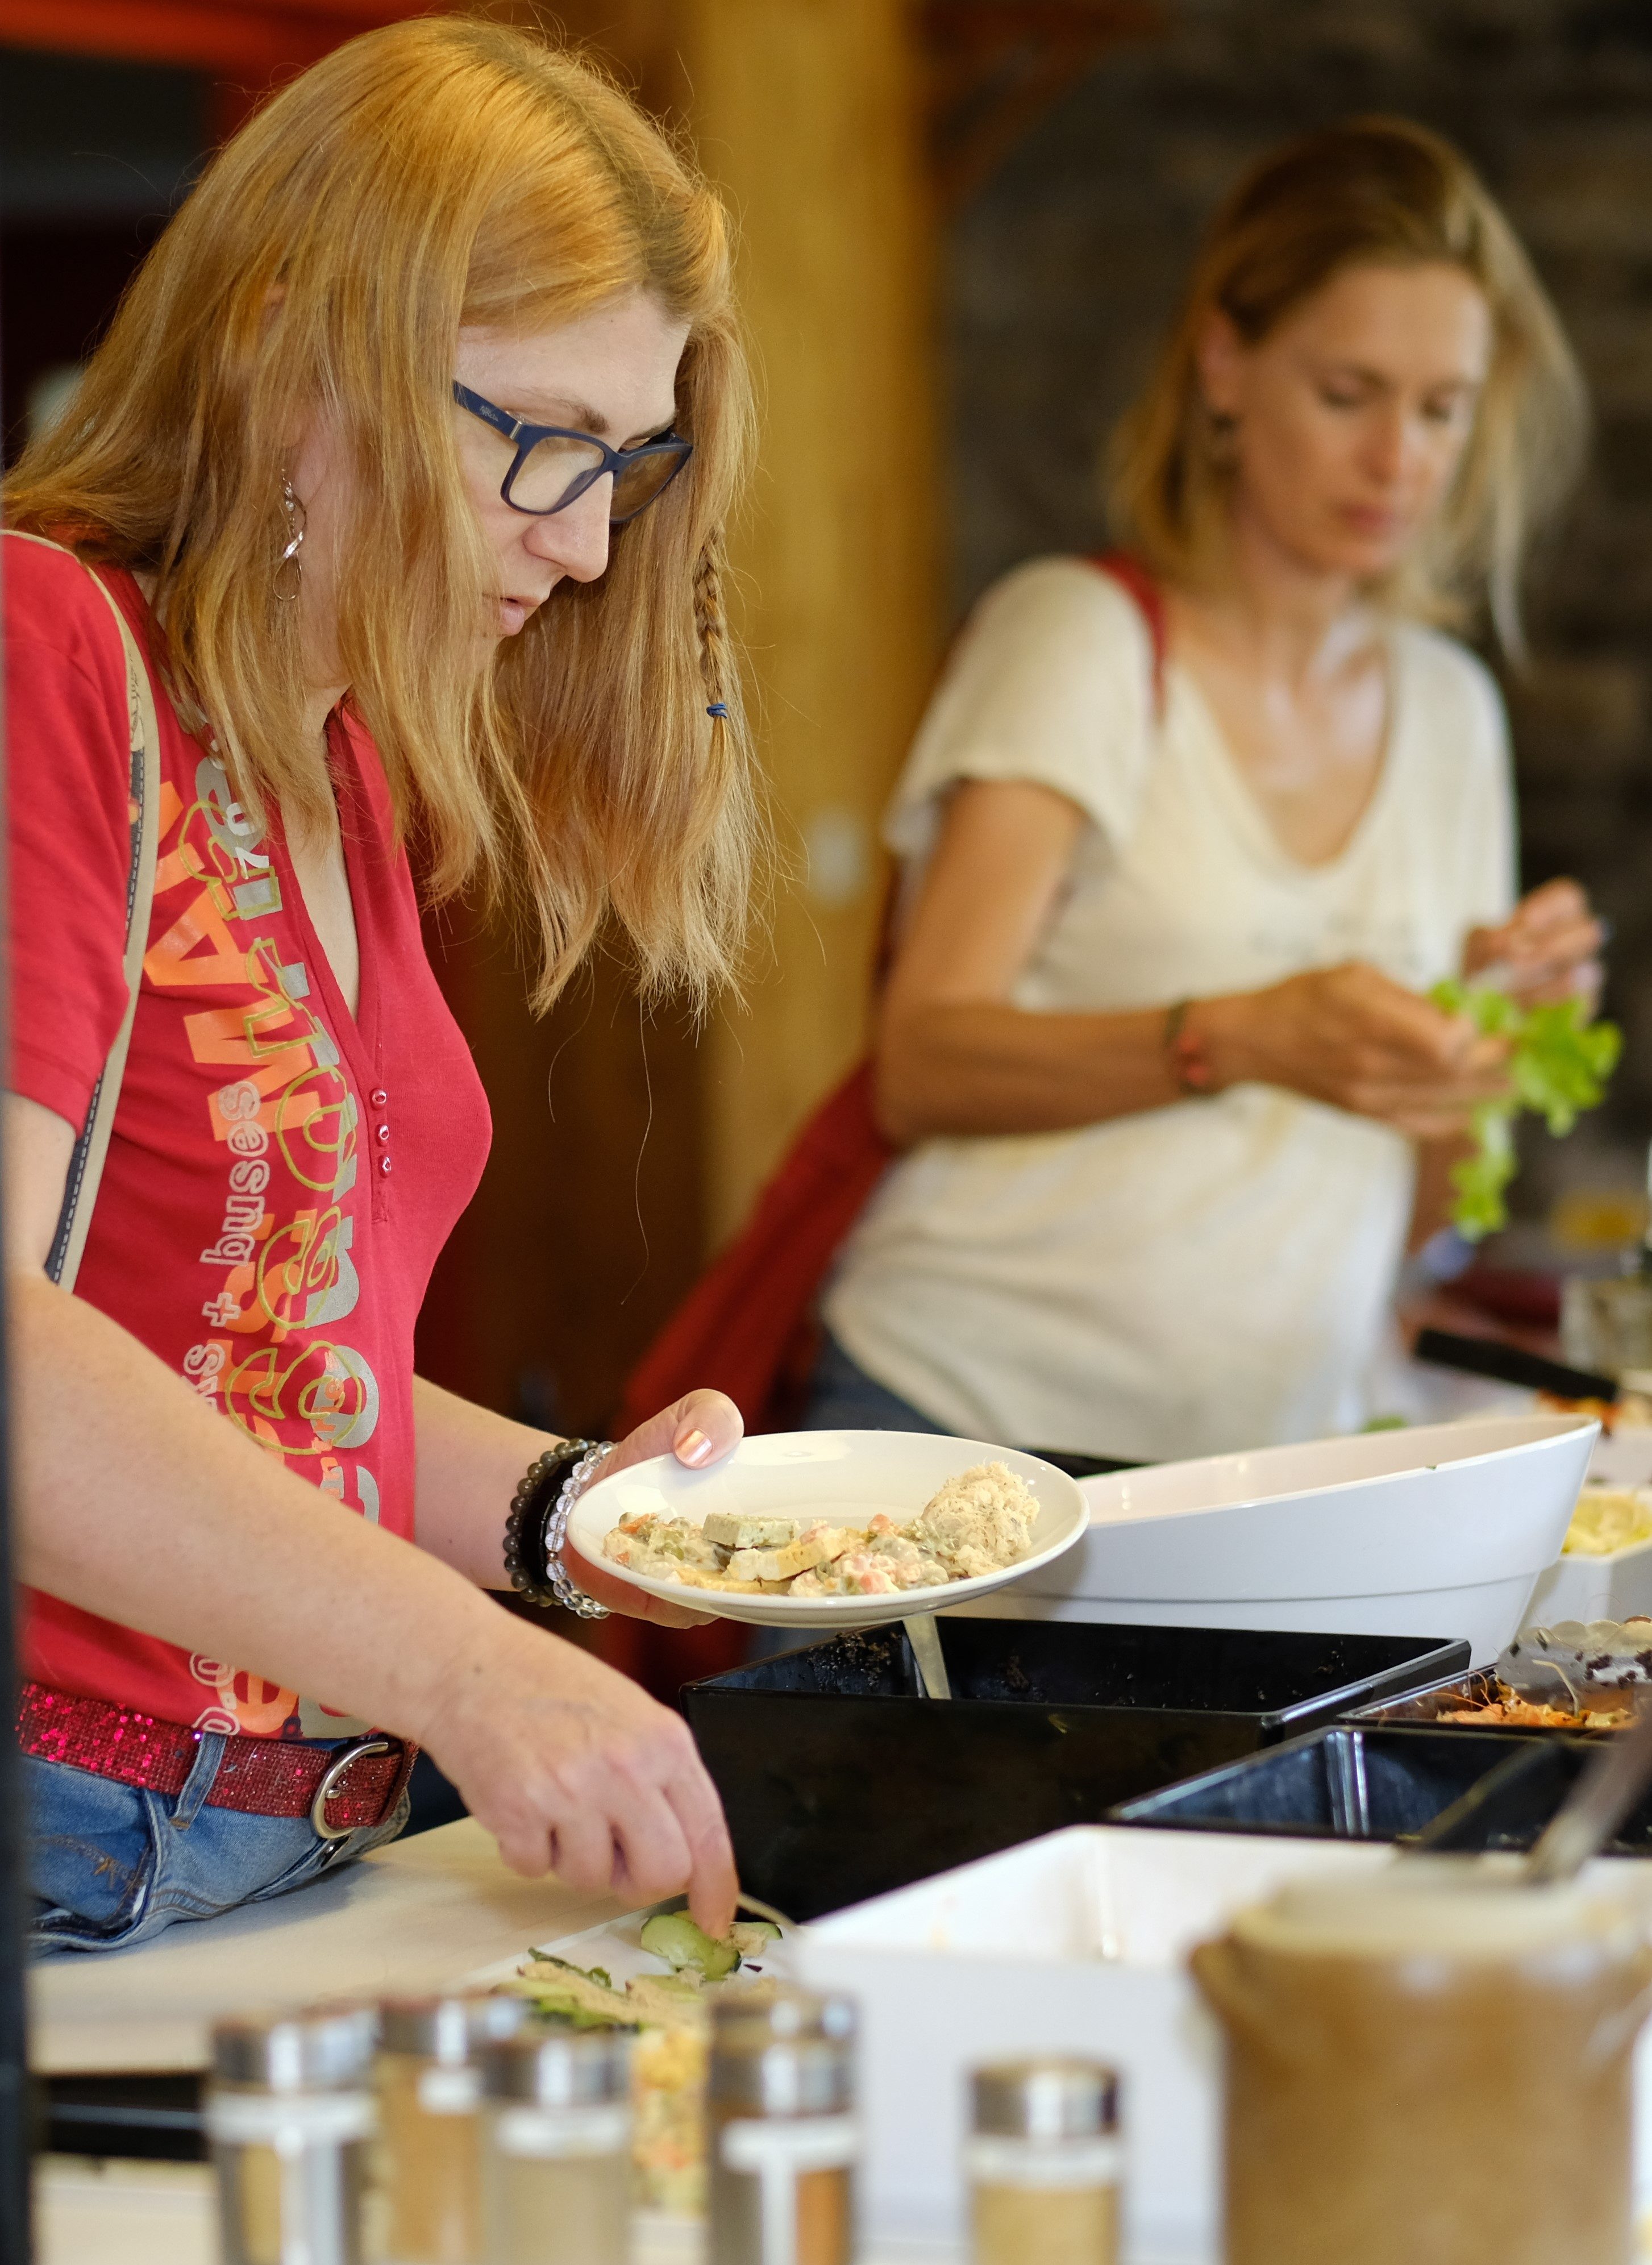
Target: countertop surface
pixel 419 1915
pixel 162 2214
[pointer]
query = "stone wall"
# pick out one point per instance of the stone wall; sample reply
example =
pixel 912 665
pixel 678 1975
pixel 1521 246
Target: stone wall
pixel 1063 271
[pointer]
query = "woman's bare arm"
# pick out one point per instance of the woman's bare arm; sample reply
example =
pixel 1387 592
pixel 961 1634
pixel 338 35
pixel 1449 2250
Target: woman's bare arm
pixel 954 1056
pixel 136 1502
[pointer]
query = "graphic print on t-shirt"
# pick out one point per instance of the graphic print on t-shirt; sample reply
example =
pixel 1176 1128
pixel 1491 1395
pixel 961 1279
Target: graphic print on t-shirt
pixel 279 1277
pixel 244 1232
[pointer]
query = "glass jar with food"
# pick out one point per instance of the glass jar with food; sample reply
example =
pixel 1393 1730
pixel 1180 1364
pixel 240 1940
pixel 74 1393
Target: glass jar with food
pixel 1044 2163
pixel 1433 2065
pixel 429 2086
pixel 781 2139
pixel 289 2119
pixel 557 2148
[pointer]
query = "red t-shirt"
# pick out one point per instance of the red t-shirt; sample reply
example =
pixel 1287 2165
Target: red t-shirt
pixel 282 1175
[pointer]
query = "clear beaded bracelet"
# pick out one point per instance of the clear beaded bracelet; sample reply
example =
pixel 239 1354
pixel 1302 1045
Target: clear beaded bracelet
pixel 536 1530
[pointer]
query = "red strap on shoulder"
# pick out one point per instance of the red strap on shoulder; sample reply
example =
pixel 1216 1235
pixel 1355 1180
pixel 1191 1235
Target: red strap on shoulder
pixel 1139 584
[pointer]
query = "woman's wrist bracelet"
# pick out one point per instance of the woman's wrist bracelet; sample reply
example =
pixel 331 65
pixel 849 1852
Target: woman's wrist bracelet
pixel 1184 1052
pixel 536 1529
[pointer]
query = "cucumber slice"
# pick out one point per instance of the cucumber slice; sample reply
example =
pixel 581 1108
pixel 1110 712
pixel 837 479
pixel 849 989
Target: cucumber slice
pixel 571 1996
pixel 673 1936
pixel 568 2014
pixel 599 1974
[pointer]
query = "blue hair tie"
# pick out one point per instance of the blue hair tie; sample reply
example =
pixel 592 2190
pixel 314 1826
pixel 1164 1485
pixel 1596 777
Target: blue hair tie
pixel 718 708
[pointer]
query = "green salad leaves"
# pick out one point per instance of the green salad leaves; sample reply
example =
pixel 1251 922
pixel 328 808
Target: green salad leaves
pixel 1559 1064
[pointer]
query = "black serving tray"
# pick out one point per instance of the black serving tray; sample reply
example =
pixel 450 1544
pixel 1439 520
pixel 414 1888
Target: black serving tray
pixel 1478 1689
pixel 1348 1783
pixel 841 1780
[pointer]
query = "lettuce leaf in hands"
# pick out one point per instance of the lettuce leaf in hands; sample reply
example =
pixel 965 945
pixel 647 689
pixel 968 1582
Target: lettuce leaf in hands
pixel 1559 1065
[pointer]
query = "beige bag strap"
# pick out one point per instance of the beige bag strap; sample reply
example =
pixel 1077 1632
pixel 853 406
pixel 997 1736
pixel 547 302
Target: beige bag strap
pixel 85 1169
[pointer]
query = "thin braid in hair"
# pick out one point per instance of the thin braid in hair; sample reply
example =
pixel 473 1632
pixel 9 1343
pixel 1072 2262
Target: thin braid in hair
pixel 710 623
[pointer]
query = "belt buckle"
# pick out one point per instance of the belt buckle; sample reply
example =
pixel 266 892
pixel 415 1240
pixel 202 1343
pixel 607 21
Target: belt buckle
pixel 329 1786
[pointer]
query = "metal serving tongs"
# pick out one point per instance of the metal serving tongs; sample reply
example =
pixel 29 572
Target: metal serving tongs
pixel 1596 1806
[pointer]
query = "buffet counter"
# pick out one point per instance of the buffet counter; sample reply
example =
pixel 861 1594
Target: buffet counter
pixel 417 1916
pixel 434 1910
pixel 161 2214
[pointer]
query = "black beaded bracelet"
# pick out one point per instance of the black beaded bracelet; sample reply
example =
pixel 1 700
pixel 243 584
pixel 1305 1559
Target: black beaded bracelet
pixel 536 1522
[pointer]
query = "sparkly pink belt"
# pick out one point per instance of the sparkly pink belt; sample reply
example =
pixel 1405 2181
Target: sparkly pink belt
pixel 339 1789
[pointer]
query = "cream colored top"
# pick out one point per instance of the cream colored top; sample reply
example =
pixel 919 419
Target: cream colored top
pixel 1215 1274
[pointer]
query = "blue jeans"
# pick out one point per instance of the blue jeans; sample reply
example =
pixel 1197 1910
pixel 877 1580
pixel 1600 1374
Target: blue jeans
pixel 842 1397
pixel 110 1866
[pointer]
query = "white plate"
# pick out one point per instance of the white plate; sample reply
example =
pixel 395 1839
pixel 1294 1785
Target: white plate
pixel 846 1476
pixel 615 1946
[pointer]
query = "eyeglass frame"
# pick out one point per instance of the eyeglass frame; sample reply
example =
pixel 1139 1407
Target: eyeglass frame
pixel 526 437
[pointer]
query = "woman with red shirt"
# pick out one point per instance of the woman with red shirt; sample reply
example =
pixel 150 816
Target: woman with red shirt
pixel 446 315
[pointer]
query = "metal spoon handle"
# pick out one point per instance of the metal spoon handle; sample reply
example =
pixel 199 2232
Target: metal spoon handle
pixel 924 1637
pixel 1598 1802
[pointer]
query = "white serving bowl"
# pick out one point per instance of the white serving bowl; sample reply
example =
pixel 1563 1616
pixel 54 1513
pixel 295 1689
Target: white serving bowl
pixel 845 1476
pixel 1440 1531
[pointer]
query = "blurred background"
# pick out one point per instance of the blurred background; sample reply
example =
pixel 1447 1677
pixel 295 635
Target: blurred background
pixel 963 222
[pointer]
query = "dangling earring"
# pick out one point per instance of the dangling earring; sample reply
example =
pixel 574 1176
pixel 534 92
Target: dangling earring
pixel 289 557
pixel 1224 439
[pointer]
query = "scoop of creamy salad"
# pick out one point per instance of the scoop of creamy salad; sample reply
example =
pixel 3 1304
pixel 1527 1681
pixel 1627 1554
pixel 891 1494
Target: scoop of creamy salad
pixel 1609 1518
pixel 979 1522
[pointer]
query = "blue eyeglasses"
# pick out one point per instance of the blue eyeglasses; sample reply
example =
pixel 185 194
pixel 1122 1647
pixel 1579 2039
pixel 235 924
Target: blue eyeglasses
pixel 553 466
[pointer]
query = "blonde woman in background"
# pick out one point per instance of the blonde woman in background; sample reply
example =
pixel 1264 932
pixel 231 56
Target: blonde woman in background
pixel 1154 1038
pixel 407 463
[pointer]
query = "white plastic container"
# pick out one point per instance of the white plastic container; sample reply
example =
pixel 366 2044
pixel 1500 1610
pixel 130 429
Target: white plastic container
pixel 1441 1530
pixel 1612 1588
pixel 1074 1943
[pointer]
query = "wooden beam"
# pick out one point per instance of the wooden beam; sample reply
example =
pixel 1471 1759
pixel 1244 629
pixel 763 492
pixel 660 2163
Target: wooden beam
pixel 808 113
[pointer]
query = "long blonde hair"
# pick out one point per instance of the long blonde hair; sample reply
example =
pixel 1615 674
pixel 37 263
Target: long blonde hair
pixel 1372 191
pixel 437 172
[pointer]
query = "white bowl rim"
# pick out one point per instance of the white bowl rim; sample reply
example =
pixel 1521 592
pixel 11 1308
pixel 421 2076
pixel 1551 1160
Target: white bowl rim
pixel 901 1604
pixel 1554 1428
